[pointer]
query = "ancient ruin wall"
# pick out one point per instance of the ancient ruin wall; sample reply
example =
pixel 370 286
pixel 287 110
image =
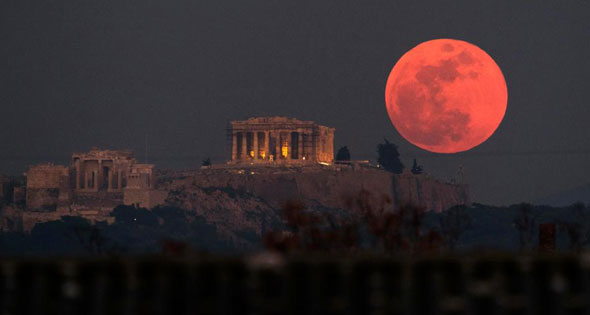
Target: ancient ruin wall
pixel 47 187
pixel 333 187
pixel 46 176
pixel 325 145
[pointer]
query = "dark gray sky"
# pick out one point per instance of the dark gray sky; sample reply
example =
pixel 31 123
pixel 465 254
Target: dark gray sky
pixel 75 73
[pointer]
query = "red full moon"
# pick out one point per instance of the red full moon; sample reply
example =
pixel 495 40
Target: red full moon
pixel 446 96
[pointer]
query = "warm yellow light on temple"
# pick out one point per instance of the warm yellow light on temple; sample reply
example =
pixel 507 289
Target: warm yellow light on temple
pixel 261 140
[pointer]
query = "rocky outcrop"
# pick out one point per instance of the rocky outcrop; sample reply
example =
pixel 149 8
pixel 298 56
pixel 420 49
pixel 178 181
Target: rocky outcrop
pixel 332 186
pixel 239 216
pixel 429 193
pixel 243 202
pixel 249 200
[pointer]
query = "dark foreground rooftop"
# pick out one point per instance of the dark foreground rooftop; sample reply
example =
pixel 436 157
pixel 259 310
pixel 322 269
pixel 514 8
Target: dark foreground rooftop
pixel 268 284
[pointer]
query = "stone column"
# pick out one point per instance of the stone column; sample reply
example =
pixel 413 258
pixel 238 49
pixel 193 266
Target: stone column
pixel 110 180
pixel 86 178
pixel 244 154
pixel 266 144
pixel 255 145
pixel 299 145
pixel 78 174
pixel 234 146
pixel 279 153
pixel 314 145
pixel 119 180
pixel 99 176
pixel 96 177
pixel 288 139
pixel 307 145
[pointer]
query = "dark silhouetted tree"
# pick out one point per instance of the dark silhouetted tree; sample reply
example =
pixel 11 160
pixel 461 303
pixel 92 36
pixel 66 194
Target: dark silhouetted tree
pixel 69 235
pixel 131 216
pixel 388 157
pixel 370 226
pixel 206 162
pixel 525 224
pixel 417 169
pixel 343 154
pixel 453 223
pixel 577 228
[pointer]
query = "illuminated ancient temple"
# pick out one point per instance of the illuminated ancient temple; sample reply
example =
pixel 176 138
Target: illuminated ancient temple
pixel 280 140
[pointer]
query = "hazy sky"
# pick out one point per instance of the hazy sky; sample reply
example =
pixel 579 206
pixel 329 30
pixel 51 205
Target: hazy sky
pixel 76 74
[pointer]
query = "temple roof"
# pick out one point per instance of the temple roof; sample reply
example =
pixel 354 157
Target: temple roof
pixel 98 153
pixel 273 120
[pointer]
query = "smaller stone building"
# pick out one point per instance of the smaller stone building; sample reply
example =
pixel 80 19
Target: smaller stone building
pixel 280 140
pixel 94 183
pixel 140 190
pixel 102 170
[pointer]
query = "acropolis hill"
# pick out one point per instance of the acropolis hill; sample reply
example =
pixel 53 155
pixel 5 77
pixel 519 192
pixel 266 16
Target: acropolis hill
pixel 271 160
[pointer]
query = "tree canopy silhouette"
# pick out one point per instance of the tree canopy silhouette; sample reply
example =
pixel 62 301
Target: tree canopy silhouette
pixel 453 223
pixel 206 162
pixel 388 157
pixel 343 154
pixel 417 169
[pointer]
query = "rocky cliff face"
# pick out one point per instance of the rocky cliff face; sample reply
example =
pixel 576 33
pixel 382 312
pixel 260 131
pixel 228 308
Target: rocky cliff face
pixel 331 186
pixel 240 217
pixel 244 203
pixel 429 193
pixel 250 199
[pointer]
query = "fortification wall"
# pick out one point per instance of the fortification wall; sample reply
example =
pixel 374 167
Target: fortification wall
pixel 29 219
pixel 47 176
pixel 97 200
pixel 42 199
pixel 334 187
pixel 430 193
pixel 47 187
pixel 144 198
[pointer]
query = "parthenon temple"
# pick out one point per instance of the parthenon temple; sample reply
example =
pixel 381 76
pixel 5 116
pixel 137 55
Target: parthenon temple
pixel 280 140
